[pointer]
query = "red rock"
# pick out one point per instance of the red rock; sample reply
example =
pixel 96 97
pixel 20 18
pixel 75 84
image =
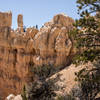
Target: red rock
pixel 50 45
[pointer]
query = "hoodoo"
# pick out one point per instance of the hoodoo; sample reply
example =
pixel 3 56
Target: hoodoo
pixel 49 45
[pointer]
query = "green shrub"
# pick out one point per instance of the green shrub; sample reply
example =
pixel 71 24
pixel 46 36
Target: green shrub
pixel 44 71
pixel 41 90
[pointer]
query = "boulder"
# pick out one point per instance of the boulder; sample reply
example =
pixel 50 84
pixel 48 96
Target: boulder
pixel 13 97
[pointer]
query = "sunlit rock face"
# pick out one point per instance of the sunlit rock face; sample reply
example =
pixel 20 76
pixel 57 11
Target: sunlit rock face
pixel 13 97
pixel 16 51
pixel 52 43
pixel 20 23
pixel 5 19
pixel 49 45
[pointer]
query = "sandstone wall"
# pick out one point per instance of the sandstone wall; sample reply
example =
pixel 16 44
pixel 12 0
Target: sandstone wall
pixel 49 45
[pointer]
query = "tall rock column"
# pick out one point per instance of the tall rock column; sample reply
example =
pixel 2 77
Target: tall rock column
pixel 20 22
pixel 5 25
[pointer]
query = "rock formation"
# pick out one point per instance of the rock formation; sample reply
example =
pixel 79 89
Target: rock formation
pixel 52 43
pixel 20 22
pixel 49 45
pixel 5 19
pixel 13 97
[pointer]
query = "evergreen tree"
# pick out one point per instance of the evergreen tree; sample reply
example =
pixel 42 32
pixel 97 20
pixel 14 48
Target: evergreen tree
pixel 36 26
pixel 87 37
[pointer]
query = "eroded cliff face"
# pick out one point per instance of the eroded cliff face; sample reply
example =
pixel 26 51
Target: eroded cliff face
pixel 52 43
pixel 49 45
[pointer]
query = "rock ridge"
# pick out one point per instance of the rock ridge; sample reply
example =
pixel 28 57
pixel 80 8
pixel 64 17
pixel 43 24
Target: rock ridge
pixel 49 45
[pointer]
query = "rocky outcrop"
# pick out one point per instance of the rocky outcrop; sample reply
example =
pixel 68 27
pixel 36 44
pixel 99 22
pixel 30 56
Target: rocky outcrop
pixel 66 80
pixel 15 55
pixel 20 22
pixel 49 45
pixel 13 97
pixel 63 82
pixel 52 43
pixel 5 19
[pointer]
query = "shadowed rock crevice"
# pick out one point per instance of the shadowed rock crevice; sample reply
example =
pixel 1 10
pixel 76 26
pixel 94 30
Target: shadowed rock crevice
pixel 15 56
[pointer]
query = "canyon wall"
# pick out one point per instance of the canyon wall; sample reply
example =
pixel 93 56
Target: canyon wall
pixel 21 47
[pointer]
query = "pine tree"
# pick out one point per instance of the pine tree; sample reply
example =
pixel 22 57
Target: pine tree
pixel 87 37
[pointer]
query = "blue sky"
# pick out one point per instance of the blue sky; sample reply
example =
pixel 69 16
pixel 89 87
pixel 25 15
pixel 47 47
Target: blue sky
pixel 38 11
